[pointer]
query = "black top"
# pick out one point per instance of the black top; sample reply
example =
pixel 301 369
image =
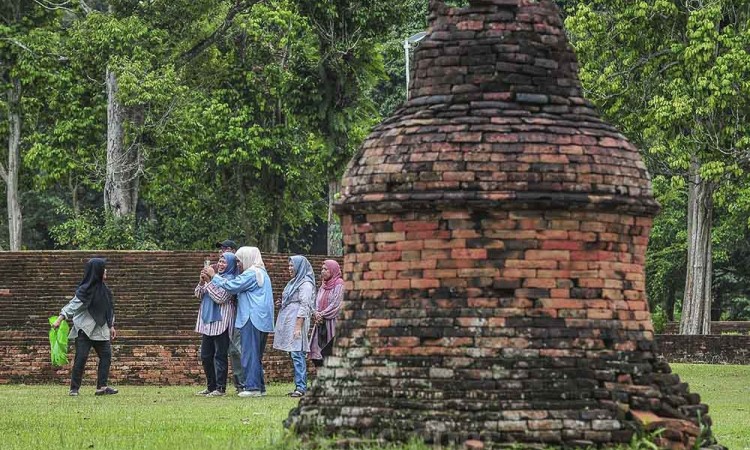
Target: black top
pixel 94 294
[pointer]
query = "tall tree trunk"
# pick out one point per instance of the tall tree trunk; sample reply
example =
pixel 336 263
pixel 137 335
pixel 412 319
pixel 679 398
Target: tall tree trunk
pixel 269 241
pixel 123 160
pixel 696 303
pixel 717 304
pixel 669 306
pixel 10 176
pixel 274 185
pixel 73 187
pixel 335 238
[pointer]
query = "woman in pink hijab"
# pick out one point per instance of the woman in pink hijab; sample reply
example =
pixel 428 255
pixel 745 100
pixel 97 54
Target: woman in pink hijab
pixel 327 307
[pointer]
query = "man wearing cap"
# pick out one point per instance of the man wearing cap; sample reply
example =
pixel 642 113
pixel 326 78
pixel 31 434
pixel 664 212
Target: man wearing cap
pixel 227 246
pixel 235 348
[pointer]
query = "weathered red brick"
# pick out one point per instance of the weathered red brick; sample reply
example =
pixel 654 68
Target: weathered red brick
pixel 469 253
pixel 548 255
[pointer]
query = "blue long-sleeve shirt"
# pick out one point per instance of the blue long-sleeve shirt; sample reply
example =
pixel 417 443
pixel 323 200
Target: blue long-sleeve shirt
pixel 253 301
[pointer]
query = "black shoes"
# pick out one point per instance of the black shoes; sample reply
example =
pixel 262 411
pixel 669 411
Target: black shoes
pixel 106 391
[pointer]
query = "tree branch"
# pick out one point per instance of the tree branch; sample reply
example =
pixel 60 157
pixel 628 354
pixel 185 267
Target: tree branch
pixel 239 7
pixel 86 8
pixel 51 6
pixel 19 44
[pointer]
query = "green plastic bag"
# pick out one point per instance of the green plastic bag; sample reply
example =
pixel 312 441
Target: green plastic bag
pixel 58 342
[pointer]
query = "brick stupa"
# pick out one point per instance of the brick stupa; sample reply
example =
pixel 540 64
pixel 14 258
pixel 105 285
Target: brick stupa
pixel 495 231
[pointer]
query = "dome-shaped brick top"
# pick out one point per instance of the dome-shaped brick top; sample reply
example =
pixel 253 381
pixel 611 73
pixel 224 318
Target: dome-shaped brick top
pixel 496 114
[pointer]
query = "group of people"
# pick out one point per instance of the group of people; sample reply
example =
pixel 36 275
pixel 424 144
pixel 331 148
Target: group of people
pixel 235 317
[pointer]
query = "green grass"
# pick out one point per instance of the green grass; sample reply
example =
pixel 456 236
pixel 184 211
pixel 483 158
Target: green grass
pixel 726 390
pixel 44 417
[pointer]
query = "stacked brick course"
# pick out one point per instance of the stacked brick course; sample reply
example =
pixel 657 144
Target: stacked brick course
pixel 495 231
pixel 155 314
pixel 717 327
pixel 705 349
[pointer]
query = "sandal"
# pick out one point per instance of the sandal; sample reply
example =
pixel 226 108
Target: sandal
pixel 297 394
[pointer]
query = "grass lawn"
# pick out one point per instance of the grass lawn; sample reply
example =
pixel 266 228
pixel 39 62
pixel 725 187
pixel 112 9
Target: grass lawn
pixel 44 417
pixel 726 390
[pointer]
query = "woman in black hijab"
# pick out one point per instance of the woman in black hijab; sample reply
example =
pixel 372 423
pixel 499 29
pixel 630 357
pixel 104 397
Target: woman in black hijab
pixel 92 311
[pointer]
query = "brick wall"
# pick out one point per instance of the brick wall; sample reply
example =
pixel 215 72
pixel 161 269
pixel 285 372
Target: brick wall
pixel 710 349
pixel 742 327
pixel 154 304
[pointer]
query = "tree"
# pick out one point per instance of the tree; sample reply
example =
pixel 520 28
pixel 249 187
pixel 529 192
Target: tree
pixel 120 45
pixel 674 76
pixel 23 53
pixel 391 92
pixel 352 36
pixel 12 48
pixel 667 249
pixel 287 102
pixel 190 119
pixel 255 163
pixel 731 265
pixel 119 81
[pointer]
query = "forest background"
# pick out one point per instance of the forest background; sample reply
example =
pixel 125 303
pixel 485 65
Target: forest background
pixel 170 124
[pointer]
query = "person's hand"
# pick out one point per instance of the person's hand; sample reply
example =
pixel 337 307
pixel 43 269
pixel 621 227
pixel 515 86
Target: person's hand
pixel 277 303
pixel 57 323
pixel 112 333
pixel 297 332
pixel 210 272
pixel 204 276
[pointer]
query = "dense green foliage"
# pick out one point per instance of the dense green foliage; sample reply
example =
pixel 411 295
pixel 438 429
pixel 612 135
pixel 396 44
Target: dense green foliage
pixel 242 113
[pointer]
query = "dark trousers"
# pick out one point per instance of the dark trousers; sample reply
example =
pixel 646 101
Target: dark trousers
pixel 214 358
pixel 83 347
pixel 235 354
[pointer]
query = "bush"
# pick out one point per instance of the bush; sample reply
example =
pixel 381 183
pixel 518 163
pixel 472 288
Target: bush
pixel 659 319
pixel 90 231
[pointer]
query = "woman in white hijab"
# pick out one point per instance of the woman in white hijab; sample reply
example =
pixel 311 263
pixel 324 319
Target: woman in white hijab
pixel 254 315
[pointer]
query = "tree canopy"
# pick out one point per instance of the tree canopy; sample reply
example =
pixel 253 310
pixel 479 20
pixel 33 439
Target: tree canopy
pixel 233 115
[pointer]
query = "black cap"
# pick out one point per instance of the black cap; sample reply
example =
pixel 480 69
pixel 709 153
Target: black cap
pixel 228 243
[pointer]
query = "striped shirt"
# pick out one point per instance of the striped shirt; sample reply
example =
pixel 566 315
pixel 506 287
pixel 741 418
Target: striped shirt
pixel 227 306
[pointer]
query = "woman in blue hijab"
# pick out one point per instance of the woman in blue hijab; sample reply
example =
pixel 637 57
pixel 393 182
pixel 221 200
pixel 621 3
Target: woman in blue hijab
pixel 293 324
pixel 215 320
